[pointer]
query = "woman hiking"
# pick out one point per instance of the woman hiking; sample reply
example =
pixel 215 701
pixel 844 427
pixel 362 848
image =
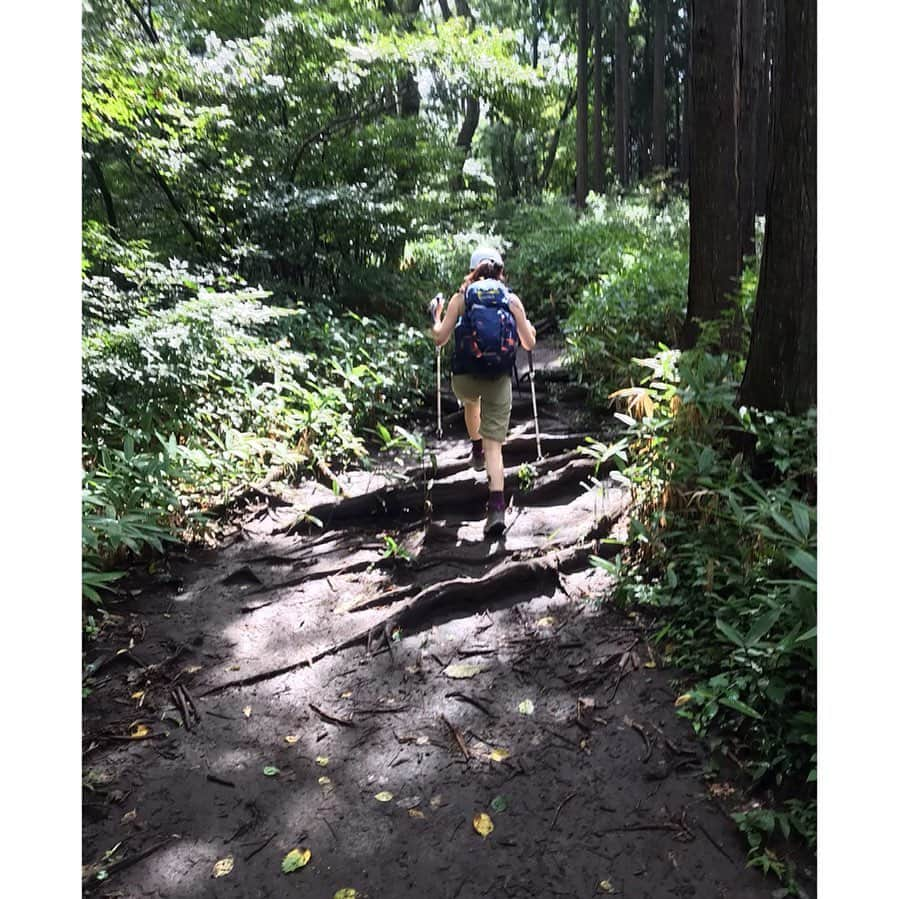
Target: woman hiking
pixel 487 321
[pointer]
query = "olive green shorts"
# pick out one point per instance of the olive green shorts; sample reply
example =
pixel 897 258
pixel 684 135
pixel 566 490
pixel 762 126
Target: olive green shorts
pixel 495 395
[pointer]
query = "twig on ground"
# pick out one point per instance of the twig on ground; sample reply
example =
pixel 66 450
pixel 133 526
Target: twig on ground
pixel 471 701
pixel 259 848
pixel 458 737
pixel 562 804
pixel 331 719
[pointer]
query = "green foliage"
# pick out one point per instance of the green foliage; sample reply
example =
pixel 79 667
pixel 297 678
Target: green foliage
pixel 726 562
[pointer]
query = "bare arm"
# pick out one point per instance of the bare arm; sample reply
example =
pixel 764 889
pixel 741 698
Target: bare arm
pixel 442 330
pixel 527 334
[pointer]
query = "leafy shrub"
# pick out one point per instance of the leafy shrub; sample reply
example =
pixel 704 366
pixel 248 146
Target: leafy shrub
pixel 726 563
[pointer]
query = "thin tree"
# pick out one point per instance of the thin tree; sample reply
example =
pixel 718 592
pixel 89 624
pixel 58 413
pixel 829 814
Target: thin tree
pixel 781 368
pixel 581 122
pixel 658 84
pixel 622 89
pixel 715 260
pixel 598 169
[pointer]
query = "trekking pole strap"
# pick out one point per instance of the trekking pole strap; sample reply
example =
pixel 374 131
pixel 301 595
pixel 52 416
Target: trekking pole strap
pixel 534 401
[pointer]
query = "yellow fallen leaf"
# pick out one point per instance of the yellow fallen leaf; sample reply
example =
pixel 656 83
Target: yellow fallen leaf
pixel 296 858
pixel 193 669
pixel 526 707
pixel 683 699
pixel 650 664
pixel 499 755
pixel 138 695
pixel 247 711
pixel 346 893
pixel 321 760
pixel 548 621
pixel 415 813
pixel 291 738
pixel 324 781
pixel 463 670
pixel 138 731
pixel 346 695
pixel 234 667
pixel 128 817
pixel 482 824
pixel 223 866
pixel 605 886
pixel 384 796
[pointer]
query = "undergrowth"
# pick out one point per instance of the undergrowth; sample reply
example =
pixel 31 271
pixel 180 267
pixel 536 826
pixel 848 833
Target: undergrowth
pixel 725 536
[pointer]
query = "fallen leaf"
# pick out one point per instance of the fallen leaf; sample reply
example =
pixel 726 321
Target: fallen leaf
pixel 223 866
pixel 499 755
pixel 193 669
pixel 526 707
pixel 437 801
pixel 129 816
pixel 548 621
pixel 384 796
pixel 139 730
pixel 415 813
pixel 138 695
pixel 463 670
pixel 409 802
pixel 321 760
pixel 346 695
pixel 324 781
pixel 346 893
pixel 605 886
pixel 651 664
pixel 296 858
pixel 499 803
pixel 270 770
pixel 422 741
pixel 247 711
pixel 291 738
pixel 482 824
pixel 234 667
pixel 683 699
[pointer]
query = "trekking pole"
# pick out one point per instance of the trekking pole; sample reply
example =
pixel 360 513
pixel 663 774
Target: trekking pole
pixel 534 402
pixel 432 308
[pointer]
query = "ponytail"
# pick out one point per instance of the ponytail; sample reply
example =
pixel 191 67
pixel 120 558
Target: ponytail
pixel 486 269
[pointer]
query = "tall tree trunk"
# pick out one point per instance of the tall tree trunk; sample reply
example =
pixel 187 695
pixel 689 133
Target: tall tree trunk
pixel 715 261
pixel 580 190
pixel 781 368
pixel 764 124
pixel 535 37
pixel 472 110
pixel 752 15
pixel 658 85
pixel 686 109
pixel 598 170
pixel 553 145
pixel 622 90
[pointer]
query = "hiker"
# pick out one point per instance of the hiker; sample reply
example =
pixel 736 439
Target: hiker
pixel 485 340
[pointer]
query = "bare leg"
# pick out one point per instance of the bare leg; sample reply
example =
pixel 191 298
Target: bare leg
pixel 473 419
pixel 493 458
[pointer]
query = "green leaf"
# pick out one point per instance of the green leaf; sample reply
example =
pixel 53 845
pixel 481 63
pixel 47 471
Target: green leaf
pixel 805 562
pixel 729 632
pixel 762 626
pixel 737 705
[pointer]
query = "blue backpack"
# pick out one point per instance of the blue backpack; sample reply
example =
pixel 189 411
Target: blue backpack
pixel 486 336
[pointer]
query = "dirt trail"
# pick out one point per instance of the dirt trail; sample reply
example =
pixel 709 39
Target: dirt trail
pixel 565 735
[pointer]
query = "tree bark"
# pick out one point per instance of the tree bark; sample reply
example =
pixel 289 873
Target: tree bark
pixel 599 155
pixel 751 59
pixel 715 261
pixel 658 85
pixel 686 109
pixel 472 108
pixel 583 38
pixel 109 206
pixel 553 145
pixel 764 124
pixel 781 368
pixel 622 90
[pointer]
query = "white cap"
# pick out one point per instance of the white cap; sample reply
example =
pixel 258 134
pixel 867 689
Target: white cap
pixel 482 253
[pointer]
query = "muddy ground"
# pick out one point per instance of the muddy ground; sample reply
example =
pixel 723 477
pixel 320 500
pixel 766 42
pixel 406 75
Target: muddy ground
pixel 292 688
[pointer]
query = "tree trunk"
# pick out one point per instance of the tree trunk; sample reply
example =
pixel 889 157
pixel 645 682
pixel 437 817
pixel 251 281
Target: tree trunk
pixel 105 193
pixel 715 261
pixel 622 90
pixel 472 110
pixel 686 111
pixel 599 157
pixel 658 85
pixel 764 124
pixel 553 145
pixel 580 191
pixel 781 368
pixel 751 57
